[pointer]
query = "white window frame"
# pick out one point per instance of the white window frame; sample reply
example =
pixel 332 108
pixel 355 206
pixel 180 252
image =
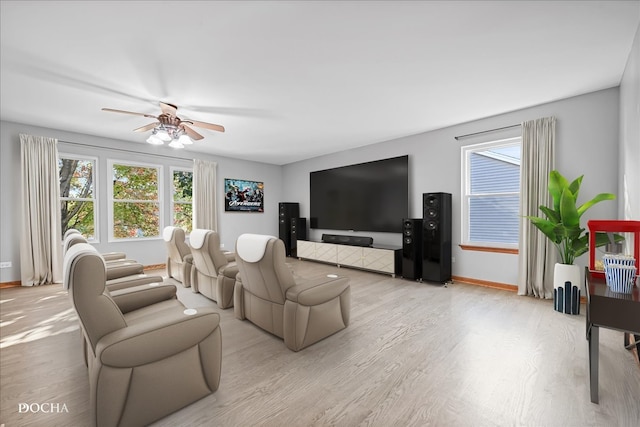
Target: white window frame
pixel 173 192
pixel 466 189
pixel 111 163
pixel 94 200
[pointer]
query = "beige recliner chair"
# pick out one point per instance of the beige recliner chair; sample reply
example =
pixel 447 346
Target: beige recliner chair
pixel 108 256
pixel 179 259
pixel 212 274
pixel 266 293
pixel 145 363
pixel 121 273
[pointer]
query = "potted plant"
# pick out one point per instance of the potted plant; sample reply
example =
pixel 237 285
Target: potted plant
pixel 562 226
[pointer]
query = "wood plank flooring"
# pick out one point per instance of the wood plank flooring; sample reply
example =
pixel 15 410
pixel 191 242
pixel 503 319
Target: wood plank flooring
pixel 415 354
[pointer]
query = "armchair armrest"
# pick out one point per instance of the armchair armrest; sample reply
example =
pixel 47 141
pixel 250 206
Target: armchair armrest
pixel 112 256
pixel 318 290
pixel 230 270
pixel 133 280
pixel 230 256
pixel 133 298
pixel 156 339
pixel 117 269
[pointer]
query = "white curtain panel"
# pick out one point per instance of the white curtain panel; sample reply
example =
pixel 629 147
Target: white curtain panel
pixel 41 242
pixel 205 214
pixel 537 255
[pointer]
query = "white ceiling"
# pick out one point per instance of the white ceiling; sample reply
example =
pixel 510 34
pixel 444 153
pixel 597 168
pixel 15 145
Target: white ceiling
pixel 295 80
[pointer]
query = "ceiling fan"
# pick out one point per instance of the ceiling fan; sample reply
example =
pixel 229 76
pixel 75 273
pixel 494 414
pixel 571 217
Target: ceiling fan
pixel 168 127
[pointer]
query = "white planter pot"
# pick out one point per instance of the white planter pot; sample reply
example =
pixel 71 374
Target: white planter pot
pixel 566 296
pixel 566 273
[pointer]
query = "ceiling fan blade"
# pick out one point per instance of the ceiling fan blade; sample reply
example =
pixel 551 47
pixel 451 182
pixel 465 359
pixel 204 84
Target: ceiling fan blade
pixel 147 127
pixel 169 109
pixel 191 133
pixel 206 125
pixel 129 112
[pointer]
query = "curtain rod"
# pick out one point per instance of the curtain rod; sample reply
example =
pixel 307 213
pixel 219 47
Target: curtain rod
pixel 125 150
pixel 486 131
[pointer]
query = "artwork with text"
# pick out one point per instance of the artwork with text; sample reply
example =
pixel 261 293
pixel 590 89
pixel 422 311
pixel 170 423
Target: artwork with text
pixel 243 196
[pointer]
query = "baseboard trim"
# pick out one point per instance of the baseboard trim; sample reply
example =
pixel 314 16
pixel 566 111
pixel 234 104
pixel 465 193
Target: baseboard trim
pixel 155 267
pixel 485 283
pixel 15 284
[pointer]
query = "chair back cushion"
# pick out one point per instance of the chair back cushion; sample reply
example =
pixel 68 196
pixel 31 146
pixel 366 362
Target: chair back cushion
pixel 85 278
pixel 208 258
pixel 70 231
pixel 72 239
pixel 177 247
pixel 262 264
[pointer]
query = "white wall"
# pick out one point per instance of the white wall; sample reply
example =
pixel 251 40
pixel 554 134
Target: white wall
pixel 147 252
pixel 587 143
pixel 590 133
pixel 629 172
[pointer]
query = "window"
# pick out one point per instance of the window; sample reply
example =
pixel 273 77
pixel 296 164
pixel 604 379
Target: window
pixel 77 195
pixel 135 201
pixel 182 202
pixel 491 193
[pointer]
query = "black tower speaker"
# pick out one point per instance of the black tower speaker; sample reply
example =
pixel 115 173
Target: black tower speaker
pixel 436 237
pixel 298 232
pixel 287 212
pixel 412 249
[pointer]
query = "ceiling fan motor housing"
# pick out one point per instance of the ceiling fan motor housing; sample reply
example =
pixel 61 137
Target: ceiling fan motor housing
pixel 169 120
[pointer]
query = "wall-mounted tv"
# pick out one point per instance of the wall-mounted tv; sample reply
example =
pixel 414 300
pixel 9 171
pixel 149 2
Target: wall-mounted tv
pixel 372 196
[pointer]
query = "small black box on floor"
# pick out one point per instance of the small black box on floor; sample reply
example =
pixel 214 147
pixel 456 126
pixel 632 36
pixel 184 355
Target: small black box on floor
pixel 567 299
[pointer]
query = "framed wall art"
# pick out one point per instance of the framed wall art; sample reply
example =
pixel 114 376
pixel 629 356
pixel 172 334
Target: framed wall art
pixel 241 195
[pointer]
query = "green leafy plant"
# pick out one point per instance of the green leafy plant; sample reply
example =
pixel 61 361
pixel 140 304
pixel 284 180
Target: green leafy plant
pixel 562 223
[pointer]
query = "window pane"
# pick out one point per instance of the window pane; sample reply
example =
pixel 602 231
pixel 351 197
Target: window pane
pixel 183 186
pixel 493 175
pixel 76 178
pixel 492 194
pixel 135 183
pixel 494 219
pixel 79 215
pixel 182 216
pixel 136 220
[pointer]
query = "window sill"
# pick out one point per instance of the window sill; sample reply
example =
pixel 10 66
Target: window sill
pixel 489 249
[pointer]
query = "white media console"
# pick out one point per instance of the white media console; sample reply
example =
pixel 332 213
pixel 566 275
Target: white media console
pixel 378 259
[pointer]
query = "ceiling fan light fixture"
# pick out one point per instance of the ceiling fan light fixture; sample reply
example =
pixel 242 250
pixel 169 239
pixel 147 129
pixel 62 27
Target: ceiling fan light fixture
pixel 176 144
pixel 185 140
pixel 163 135
pixel 154 139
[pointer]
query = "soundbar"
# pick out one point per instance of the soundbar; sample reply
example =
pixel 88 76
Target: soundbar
pixel 347 240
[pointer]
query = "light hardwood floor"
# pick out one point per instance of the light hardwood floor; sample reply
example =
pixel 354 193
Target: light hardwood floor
pixel 414 355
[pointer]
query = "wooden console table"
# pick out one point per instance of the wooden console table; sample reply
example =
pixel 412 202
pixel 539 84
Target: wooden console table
pixel 608 310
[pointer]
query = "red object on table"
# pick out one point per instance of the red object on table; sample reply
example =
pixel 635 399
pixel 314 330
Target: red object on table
pixel 613 226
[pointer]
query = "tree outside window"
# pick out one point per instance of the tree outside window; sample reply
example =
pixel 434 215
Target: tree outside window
pixel 136 201
pixel 77 195
pixel 182 207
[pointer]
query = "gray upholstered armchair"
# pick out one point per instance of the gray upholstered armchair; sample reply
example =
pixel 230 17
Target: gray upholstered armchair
pixel 302 312
pixel 179 260
pixel 213 275
pixel 145 363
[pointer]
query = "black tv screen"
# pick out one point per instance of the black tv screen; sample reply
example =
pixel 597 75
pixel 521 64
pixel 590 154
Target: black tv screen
pixel 372 196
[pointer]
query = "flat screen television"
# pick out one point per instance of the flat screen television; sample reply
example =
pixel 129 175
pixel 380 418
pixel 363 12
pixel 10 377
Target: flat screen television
pixel 372 196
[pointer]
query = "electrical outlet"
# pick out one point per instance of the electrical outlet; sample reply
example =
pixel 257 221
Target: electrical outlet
pixel 221 245
pixel 453 259
pixel 5 264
